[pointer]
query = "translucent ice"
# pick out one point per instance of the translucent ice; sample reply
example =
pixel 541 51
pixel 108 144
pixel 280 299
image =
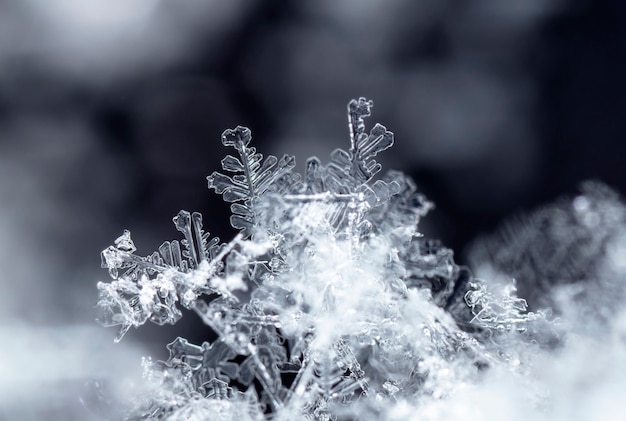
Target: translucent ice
pixel 328 304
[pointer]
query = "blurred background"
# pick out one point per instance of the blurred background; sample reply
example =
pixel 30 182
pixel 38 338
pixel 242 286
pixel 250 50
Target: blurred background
pixel 111 114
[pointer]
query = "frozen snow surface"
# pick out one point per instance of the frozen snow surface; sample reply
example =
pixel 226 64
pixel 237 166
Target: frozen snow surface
pixel 329 304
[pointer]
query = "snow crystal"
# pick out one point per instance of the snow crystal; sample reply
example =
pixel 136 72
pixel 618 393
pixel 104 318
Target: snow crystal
pixel 348 310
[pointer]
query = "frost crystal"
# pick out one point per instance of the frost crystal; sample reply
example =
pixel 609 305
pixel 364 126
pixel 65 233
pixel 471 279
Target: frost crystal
pixel 328 304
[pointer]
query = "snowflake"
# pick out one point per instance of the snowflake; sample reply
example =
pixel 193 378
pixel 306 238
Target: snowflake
pixel 328 304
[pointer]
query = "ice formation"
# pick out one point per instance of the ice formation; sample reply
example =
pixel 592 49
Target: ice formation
pixel 328 304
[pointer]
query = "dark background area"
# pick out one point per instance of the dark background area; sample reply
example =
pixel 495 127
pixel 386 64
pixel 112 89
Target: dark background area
pixel 111 114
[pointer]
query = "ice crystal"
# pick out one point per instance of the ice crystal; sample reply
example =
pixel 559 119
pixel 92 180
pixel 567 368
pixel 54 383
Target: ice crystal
pixel 329 304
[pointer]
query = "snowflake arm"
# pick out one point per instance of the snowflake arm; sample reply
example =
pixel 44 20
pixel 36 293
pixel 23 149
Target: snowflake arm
pixel 256 176
pixel 148 288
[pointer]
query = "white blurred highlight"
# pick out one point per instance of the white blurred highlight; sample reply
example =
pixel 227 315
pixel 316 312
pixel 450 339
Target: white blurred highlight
pixel 97 17
pixel 97 40
pixel 45 371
